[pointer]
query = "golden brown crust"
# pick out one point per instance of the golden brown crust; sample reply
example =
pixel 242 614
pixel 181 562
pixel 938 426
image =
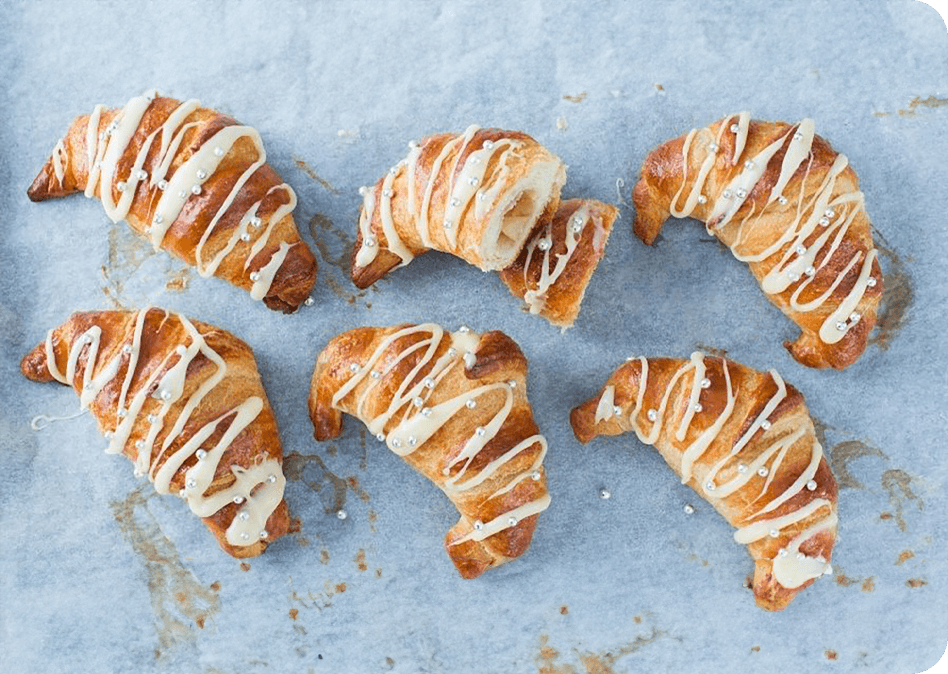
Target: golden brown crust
pixel 560 302
pixel 402 353
pixel 162 332
pixel 294 279
pixel 752 391
pixel 761 220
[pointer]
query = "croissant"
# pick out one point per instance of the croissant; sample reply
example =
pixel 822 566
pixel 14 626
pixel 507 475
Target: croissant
pixel 194 182
pixel 786 203
pixel 555 267
pixel 454 407
pixel 184 402
pixel 744 441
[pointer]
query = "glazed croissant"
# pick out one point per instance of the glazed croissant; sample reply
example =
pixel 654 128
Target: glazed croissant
pixel 786 203
pixel 555 267
pixel 744 441
pixel 491 198
pixel 454 407
pixel 196 184
pixel 184 402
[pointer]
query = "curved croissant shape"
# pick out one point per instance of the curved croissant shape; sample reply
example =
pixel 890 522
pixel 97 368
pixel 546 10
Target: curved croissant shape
pixel 744 441
pixel 477 195
pixel 454 407
pixel 558 261
pixel 786 203
pixel 196 184
pixel 184 402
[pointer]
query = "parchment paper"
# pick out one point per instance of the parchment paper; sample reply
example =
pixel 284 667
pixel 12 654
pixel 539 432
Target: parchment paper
pixel 97 573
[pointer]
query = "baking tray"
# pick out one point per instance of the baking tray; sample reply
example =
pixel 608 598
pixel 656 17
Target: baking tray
pixel 97 573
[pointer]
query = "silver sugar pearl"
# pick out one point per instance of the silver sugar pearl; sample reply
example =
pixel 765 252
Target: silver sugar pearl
pixel 748 164
pixel 158 219
pixel 604 494
pixel 698 407
pixel 255 222
pixel 254 276
pixel 195 189
pixel 473 181
pixel 782 200
pixel 271 478
pixel 511 521
pixel 380 437
pixel 412 441
pixel 353 367
pixel 652 415
pixel 854 317
pixel 824 221
pixel 512 384
pixel 375 374
pixel 726 194
pixel 152 419
pixel 710 486
pixel 689 509
pixel 165 394
pixel 798 136
pixel 471 404
pixel 480 431
pixel 765 424
pixel 386 193
pixel 120 186
pixel 243 516
pixel 245 536
pixel 190 483
pixel 201 454
pixel 238 500
pixel 800 250
pixel 182 194
pixel 735 128
pixel 810 271
pixel 763 471
pixel 162 185
pixel 141 175
pixel 811 485
pixel 448 224
pixel 464 329
pixel 782 552
pixel 535 476
pixel 201 174
pixel 139 444
pixel 455 201
pixel 841 326
pixel 741 194
pixel 705 383
pixel 616 411
pixel 370 242
pixel 741 468
pixel 713 147
pixel 122 413
pixel 774 533
pixel 245 237
pixel 363 190
pixel 544 244
pixel 871 282
pixel 418 401
pixel 829 212
pixel 264 534
pixel 429 382
pixel 426 411
pixel 793 276
pixel 396 443
pixel 309 301
pixel 393 171
pixel 488 145
pixel 478 525
pixel 801 556
pixel 702 199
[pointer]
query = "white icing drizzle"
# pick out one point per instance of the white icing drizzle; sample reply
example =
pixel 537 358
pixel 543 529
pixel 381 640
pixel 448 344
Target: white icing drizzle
pixel 536 297
pixel 794 571
pixel 419 421
pixel 259 487
pixel 820 213
pixel 471 182
pixel 184 183
pixel 59 158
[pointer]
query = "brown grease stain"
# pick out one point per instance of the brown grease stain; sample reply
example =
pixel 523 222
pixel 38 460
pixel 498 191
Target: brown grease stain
pixel 294 613
pixel 311 172
pixel 593 663
pixel 843 453
pixel 127 252
pixel 321 227
pixel 216 586
pixel 831 654
pixel 845 581
pixel 578 98
pixel 914 104
pixel 710 350
pixel 564 610
pixel 324 556
pixel 637 619
pixel 353 483
pixel 340 588
pixel 178 280
pixel 389 662
pixel 177 597
pixel 915 583
pixel 378 573
pixel 359 559
pixel 894 481
pixel 869 584
pixel 897 296
pixel 244 566
pixel 885 515
pixel 755 649
pixel 904 557
pixel 294 468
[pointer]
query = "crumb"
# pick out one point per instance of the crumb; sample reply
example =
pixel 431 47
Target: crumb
pixel 244 566
pixel 294 613
pixel 915 583
pixel 562 124
pixel 216 586
pixel 340 588
pixel 564 610
pixel 831 655
pixel 904 557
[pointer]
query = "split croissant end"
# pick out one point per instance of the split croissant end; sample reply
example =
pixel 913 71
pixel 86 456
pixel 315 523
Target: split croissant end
pixel 454 407
pixel 786 203
pixel 184 402
pixel 196 184
pixel 744 441
pixel 490 197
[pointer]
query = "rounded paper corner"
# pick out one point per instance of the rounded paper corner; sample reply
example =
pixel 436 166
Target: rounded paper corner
pixel 940 6
pixel 940 667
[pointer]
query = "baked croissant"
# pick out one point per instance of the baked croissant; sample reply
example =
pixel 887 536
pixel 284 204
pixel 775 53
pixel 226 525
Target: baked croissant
pixel 454 407
pixel 476 195
pixel 744 441
pixel 196 184
pixel 555 267
pixel 184 402
pixel 786 203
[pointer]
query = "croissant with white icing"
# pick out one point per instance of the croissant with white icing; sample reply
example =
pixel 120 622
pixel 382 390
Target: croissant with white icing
pixel 196 184
pixel 744 441
pixel 786 203
pixel 454 407
pixel 184 402
pixel 555 267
